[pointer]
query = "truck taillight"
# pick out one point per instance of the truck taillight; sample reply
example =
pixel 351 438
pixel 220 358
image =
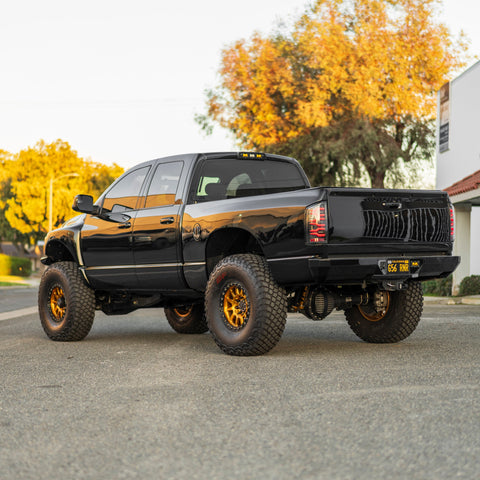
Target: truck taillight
pixel 317 223
pixel 452 223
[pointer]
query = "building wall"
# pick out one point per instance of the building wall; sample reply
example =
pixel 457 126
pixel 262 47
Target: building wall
pixel 474 236
pixel 463 155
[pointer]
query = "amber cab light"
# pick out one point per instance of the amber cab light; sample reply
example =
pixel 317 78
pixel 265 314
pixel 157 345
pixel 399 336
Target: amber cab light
pixel 317 223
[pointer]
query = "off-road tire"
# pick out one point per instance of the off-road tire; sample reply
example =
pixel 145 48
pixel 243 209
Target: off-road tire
pixel 400 320
pixel 65 303
pixel 261 306
pixel 188 319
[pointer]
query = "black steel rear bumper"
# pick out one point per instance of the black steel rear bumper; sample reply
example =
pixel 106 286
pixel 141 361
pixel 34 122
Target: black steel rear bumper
pixel 373 269
pixel 353 270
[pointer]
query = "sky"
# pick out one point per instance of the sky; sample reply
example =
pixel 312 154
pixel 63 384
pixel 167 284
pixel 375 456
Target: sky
pixel 121 80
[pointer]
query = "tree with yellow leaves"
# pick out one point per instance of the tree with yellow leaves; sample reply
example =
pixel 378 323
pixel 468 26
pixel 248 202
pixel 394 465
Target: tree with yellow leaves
pixel 6 231
pixel 350 89
pixel 25 181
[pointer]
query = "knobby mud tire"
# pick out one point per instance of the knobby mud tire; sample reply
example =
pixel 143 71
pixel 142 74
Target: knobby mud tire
pixel 66 304
pixel 246 309
pixel 400 320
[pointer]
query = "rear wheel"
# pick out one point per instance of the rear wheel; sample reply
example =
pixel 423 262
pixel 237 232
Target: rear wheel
pixel 390 318
pixel 187 319
pixel 246 309
pixel 66 304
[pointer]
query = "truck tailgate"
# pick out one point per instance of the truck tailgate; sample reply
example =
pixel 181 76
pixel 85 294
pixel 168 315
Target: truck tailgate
pixel 389 216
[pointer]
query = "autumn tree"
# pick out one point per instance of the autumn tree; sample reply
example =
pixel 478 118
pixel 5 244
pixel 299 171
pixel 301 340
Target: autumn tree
pixel 351 89
pixel 26 180
pixel 6 231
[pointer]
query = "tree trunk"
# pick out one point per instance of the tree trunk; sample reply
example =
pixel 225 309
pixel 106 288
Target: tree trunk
pixel 377 179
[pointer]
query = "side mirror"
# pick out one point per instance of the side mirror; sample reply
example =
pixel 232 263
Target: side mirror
pixel 84 204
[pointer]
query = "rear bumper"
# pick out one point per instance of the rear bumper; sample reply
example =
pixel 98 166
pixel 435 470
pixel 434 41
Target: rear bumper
pixel 357 270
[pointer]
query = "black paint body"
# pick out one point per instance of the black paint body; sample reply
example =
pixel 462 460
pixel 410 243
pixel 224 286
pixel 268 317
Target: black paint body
pixel 171 249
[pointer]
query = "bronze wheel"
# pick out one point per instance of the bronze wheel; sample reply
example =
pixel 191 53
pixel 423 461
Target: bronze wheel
pixel 187 318
pixel 183 312
pixel 236 307
pixel 58 304
pixel 375 314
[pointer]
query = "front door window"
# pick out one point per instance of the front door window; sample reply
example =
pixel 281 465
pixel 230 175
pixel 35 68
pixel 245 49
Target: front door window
pixel 124 194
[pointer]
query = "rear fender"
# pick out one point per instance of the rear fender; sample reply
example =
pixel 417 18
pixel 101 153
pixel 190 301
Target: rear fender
pixel 229 241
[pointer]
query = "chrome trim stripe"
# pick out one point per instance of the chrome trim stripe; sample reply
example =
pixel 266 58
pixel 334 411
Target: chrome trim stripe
pixel 110 267
pixel 156 265
pixel 305 257
pixel 152 265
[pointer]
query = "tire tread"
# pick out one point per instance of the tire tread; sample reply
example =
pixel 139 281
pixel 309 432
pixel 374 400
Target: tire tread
pixel 81 303
pixel 271 307
pixel 408 311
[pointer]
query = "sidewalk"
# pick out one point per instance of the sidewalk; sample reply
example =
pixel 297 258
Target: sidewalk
pixel 468 300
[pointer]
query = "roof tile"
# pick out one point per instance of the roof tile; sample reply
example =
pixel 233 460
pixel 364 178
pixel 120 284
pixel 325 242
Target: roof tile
pixel 467 184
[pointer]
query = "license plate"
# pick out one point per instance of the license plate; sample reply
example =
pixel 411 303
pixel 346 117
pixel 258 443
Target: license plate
pixel 398 266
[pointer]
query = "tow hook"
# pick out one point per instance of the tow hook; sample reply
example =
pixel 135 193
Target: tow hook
pixel 393 285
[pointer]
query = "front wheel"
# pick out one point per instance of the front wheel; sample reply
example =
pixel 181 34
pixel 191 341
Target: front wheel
pixel 392 319
pixel 187 319
pixel 65 303
pixel 246 309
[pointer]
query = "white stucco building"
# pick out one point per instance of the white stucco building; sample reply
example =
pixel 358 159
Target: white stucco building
pixel 458 164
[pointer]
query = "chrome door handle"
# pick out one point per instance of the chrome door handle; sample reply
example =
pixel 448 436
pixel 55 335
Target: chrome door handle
pixel 125 225
pixel 167 220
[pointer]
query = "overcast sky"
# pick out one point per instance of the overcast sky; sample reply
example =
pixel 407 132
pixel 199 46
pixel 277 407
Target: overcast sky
pixel 121 80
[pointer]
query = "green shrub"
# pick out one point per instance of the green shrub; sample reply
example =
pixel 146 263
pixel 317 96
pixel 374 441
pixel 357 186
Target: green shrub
pixel 440 287
pixel 470 285
pixel 15 266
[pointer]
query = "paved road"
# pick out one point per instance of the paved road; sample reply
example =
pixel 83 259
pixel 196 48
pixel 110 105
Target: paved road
pixel 136 400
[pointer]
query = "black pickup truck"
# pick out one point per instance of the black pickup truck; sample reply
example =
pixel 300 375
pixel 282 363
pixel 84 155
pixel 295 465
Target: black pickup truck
pixel 231 242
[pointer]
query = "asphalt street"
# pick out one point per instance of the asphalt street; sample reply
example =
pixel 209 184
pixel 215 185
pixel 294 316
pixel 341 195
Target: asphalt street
pixel 137 400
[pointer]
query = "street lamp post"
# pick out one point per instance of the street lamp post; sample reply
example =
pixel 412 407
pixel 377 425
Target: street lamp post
pixel 50 197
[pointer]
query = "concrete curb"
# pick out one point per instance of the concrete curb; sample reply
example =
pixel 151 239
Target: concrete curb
pixel 472 300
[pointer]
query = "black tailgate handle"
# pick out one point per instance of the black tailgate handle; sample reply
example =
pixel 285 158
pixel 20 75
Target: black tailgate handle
pixel 392 205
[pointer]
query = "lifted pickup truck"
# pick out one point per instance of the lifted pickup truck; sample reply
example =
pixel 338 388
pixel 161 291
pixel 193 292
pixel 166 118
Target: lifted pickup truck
pixel 231 242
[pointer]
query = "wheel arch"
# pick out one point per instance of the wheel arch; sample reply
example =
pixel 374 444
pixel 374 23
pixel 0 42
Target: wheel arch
pixel 58 251
pixel 229 241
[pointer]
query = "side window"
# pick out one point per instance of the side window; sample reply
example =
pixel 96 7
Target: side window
pixel 163 187
pixel 124 194
pixel 204 184
pixel 236 182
